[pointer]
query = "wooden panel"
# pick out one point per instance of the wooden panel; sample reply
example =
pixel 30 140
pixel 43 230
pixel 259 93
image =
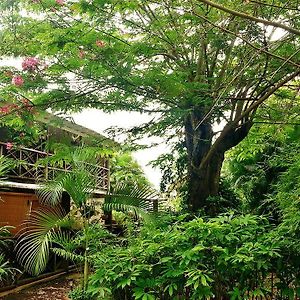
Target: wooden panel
pixel 15 207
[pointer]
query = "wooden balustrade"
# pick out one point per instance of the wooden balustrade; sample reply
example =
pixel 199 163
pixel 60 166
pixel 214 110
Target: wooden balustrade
pixel 30 167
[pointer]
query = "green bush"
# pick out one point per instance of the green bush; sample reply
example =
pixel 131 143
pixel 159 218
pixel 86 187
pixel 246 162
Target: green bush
pixel 7 271
pixel 228 257
pixel 80 294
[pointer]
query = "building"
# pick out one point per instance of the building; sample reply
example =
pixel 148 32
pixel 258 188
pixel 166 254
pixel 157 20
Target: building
pixel 17 191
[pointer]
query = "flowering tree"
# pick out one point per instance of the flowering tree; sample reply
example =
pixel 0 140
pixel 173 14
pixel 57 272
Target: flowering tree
pixel 191 63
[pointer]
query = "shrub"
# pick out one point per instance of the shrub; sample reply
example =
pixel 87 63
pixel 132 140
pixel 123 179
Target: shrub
pixel 80 294
pixel 228 257
pixel 7 271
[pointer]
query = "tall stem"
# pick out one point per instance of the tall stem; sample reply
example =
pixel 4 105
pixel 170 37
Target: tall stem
pixel 86 264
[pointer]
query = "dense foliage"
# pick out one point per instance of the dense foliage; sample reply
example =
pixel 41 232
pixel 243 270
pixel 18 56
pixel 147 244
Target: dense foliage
pixel 7 269
pixel 265 164
pixel 264 169
pixel 228 257
pixel 124 168
pixel 191 65
pixel 253 255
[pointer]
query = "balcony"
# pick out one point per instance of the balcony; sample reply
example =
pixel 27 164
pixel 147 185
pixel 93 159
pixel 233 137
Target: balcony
pixel 31 170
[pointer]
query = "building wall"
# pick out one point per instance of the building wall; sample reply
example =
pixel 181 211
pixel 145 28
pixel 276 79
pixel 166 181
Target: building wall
pixel 15 208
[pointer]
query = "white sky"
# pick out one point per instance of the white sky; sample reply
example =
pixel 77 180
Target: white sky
pixel 99 121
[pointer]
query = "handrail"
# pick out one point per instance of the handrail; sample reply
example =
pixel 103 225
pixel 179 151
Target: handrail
pixel 30 149
pixel 29 171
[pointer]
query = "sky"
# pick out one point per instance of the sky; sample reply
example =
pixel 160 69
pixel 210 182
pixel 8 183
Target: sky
pixel 99 121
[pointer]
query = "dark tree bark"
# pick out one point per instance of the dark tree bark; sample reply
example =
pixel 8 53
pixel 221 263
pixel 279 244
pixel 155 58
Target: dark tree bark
pixel 204 183
pixel 205 159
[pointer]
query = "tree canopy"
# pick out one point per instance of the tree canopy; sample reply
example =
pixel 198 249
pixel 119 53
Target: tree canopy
pixel 191 63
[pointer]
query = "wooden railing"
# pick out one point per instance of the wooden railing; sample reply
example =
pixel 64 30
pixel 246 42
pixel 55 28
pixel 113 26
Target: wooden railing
pixel 30 167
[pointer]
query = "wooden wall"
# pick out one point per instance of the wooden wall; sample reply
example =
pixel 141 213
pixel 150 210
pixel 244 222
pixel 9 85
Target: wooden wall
pixel 15 207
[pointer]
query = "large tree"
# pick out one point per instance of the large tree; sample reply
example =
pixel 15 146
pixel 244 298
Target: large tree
pixel 191 63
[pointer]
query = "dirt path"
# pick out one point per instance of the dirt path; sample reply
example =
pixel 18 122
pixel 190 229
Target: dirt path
pixel 54 290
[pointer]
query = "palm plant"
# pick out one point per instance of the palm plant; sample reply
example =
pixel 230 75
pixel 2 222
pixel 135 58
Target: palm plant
pixel 135 200
pixel 6 271
pixel 5 165
pixel 34 241
pixel 44 227
pixel 34 245
pixel 5 268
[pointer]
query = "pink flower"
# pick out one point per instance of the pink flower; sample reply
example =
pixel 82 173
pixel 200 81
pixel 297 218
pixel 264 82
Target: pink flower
pixel 30 63
pixel 17 80
pixel 9 145
pixel 60 2
pixel 5 109
pixel 100 44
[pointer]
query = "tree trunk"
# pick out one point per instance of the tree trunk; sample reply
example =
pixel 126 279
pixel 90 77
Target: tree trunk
pixel 205 158
pixel 204 183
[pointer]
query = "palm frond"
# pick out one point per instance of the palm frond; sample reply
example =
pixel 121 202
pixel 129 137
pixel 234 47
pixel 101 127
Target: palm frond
pixel 51 192
pixel 34 242
pixel 68 255
pixel 5 233
pixel 6 270
pixel 43 228
pixel 4 230
pixel 136 200
pixel 79 182
pixel 5 165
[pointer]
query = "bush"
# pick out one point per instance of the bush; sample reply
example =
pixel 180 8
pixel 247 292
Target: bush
pixel 228 257
pixel 7 271
pixel 80 294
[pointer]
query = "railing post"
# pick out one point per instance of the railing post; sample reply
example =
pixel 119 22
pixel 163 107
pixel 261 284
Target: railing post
pixel 46 167
pixel 20 164
pixel 155 205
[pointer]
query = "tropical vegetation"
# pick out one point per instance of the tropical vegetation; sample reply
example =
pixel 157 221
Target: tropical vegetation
pixel 6 267
pixel 219 82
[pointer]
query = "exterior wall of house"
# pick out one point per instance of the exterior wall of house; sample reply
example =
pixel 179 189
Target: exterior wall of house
pixel 15 208
pixel 17 195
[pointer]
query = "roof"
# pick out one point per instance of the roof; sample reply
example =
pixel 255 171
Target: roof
pixel 72 127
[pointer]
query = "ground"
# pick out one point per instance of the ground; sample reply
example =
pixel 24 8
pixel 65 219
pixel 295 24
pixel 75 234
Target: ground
pixel 53 290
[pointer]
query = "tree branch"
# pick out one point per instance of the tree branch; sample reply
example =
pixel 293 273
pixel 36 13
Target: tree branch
pixel 249 17
pixel 229 127
pixel 263 50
